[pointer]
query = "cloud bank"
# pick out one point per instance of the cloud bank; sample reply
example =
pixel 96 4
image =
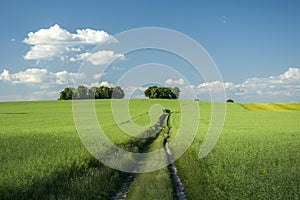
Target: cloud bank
pixel 283 87
pixel 279 88
pixel 40 77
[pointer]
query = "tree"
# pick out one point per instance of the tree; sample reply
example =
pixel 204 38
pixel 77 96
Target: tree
pixel 230 101
pixel 66 94
pixel 176 91
pixel 104 92
pixel 81 92
pixel 92 92
pixel 117 93
pixel 151 92
pixel 154 92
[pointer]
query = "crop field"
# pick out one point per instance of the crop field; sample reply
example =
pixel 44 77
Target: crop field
pixel 276 107
pixel 256 157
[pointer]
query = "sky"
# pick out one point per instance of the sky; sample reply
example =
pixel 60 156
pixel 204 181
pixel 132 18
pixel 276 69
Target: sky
pixel 254 44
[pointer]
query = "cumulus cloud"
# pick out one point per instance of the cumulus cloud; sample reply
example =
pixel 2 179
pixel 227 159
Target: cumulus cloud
pixel 5 76
pixel 283 87
pixel 80 57
pixel 57 35
pixel 98 58
pixel 103 57
pixel 170 81
pixel 213 86
pixel 56 42
pixel 286 84
pixel 99 84
pixel 33 75
pixel 39 77
pixel 45 52
pixel 290 74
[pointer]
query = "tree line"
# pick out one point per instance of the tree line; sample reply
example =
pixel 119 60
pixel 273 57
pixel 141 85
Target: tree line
pixel 103 92
pixel 83 92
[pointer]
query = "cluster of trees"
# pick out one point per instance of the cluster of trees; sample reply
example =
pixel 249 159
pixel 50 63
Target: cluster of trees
pixel 154 92
pixel 83 92
pixel 103 92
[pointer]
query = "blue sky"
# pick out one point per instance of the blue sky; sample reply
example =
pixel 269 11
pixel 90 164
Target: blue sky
pixel 255 44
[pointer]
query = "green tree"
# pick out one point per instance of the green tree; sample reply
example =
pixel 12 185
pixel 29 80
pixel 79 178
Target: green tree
pixel 66 94
pixel 117 93
pixel 176 92
pixel 81 92
pixel 103 93
pixel 154 92
pixel 92 92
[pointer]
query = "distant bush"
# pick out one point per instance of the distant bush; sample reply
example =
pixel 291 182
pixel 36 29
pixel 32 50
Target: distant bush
pixel 82 92
pixel 230 101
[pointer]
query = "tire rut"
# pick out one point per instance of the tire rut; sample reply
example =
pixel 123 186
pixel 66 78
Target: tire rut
pixel 153 130
pixel 175 179
pixel 178 188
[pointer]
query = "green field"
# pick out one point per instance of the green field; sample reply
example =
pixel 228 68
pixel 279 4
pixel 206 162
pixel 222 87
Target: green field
pixel 256 157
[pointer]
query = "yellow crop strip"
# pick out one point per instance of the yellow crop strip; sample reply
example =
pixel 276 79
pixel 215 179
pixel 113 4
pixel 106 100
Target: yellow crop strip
pixel 273 107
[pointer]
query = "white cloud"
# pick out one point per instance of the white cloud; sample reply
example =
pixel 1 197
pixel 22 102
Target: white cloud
pixel 56 35
pixel 98 58
pixel 170 81
pixel 64 77
pixel 291 74
pixel 103 57
pixel 33 75
pixel 80 57
pixel 284 87
pixel 286 84
pixel 39 77
pixel 5 76
pixel 45 52
pixel 213 86
pixel 99 84
pixel 55 42
pixel 98 76
pixel 89 36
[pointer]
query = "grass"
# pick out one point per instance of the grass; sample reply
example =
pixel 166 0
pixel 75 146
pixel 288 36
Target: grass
pixel 256 157
pixel 42 156
pixel 153 185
